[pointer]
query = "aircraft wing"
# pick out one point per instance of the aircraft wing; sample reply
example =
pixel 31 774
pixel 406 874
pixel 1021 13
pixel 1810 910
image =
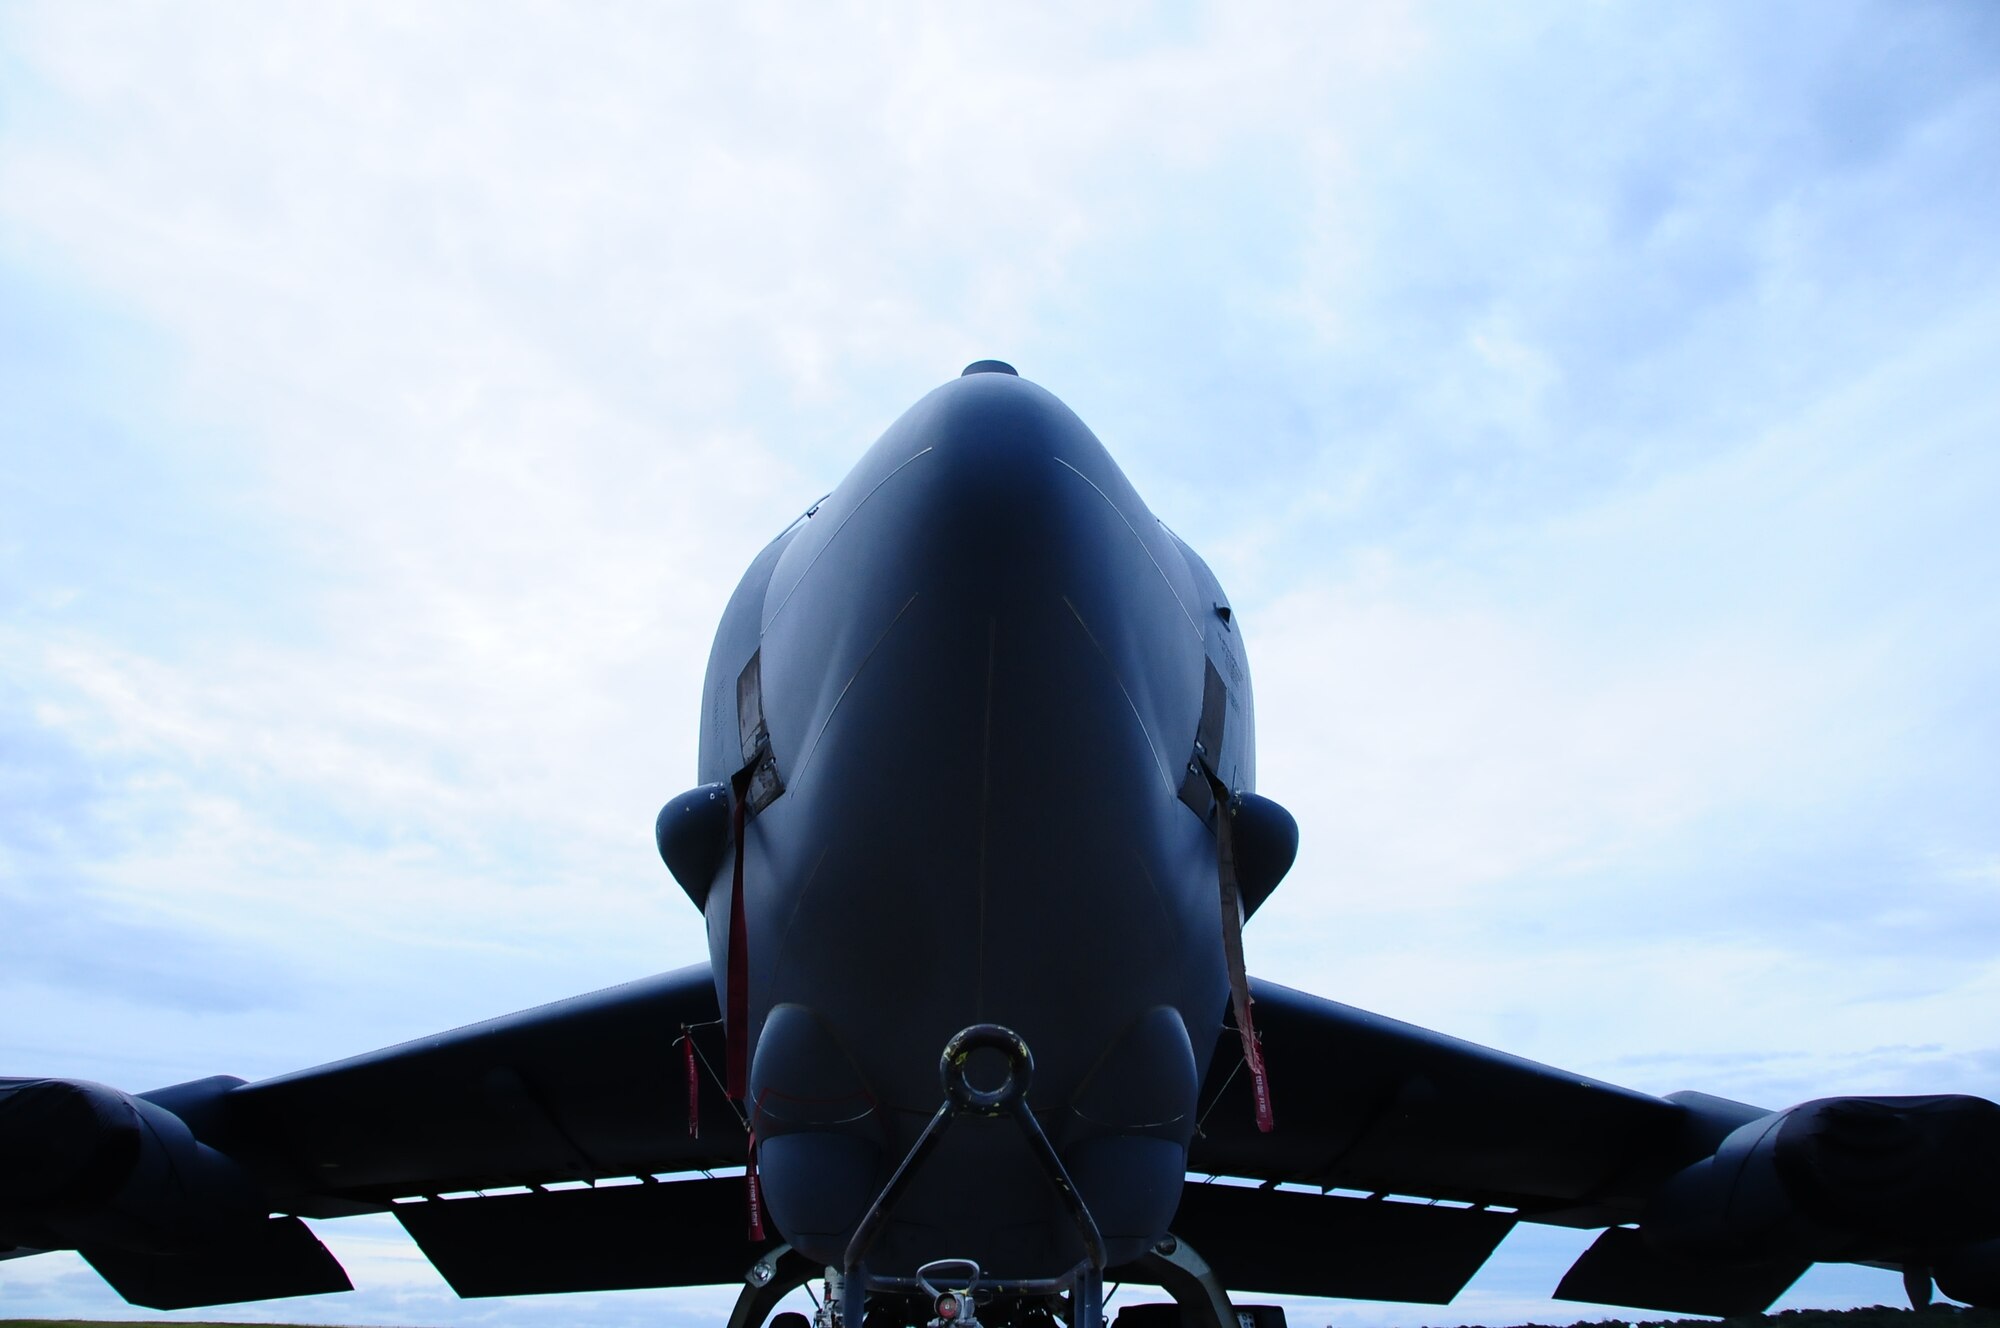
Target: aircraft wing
pixel 1425 1151
pixel 1370 1104
pixel 573 1111
pixel 588 1088
pixel 532 1153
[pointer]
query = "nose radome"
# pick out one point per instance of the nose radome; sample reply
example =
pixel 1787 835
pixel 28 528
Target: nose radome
pixel 993 476
pixel 988 492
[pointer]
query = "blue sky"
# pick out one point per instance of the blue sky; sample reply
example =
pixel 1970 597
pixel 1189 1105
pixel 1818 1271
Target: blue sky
pixel 1594 411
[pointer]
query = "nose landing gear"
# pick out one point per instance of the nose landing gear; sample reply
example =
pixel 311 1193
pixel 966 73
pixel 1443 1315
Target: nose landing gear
pixel 954 1309
pixel 1199 1297
pixel 1083 1283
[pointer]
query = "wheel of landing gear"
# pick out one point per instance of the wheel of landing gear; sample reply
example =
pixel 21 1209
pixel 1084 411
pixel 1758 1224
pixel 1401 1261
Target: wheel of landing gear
pixel 789 1319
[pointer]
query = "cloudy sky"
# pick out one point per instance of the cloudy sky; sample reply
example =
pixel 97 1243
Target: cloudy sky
pixel 1594 411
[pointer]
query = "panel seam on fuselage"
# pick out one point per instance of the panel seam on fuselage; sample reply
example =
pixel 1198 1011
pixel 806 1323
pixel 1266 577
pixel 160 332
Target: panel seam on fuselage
pixel 1185 613
pixel 1112 669
pixel 806 758
pixel 792 918
pixel 852 513
pixel 985 817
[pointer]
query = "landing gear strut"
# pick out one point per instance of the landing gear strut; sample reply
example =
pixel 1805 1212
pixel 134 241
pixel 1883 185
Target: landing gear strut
pixel 1083 1283
pixel 775 1275
pixel 1198 1295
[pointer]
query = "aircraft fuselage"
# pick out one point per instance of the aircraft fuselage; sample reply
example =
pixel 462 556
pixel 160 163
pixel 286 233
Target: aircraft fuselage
pixel 979 667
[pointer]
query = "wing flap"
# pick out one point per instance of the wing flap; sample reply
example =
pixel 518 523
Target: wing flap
pixel 681 1233
pixel 283 1258
pixel 1286 1243
pixel 1620 1268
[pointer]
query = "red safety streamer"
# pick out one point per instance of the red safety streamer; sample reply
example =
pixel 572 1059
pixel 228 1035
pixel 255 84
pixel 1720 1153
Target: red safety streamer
pixel 753 1192
pixel 694 1083
pixel 736 1069
pixel 1232 953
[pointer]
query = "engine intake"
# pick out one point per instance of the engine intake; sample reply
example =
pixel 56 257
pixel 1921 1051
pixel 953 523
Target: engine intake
pixel 84 1164
pixel 1840 1178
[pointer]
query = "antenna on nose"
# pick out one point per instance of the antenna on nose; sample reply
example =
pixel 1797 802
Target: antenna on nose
pixel 988 366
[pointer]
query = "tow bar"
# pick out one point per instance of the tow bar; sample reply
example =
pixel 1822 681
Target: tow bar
pixel 1084 1282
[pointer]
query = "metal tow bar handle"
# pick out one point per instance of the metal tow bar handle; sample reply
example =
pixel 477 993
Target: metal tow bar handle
pixel 965 1098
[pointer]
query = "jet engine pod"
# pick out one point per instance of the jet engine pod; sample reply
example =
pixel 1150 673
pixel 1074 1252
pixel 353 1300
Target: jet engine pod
pixel 64 1146
pixel 1840 1178
pixel 83 1164
pixel 1970 1274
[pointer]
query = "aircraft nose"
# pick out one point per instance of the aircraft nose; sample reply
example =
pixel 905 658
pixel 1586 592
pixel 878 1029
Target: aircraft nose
pixel 983 487
pixel 996 481
pixel 988 522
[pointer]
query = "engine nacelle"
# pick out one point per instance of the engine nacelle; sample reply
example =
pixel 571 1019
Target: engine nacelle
pixel 1839 1178
pixel 84 1164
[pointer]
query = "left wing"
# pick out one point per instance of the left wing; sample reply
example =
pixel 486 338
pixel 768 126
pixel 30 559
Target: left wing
pixel 168 1193
pixel 584 1089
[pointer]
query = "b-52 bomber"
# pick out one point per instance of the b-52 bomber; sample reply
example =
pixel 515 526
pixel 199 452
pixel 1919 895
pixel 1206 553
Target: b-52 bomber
pixel 975 837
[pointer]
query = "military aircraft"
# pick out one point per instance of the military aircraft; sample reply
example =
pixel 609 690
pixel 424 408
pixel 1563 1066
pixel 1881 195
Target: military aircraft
pixel 975 837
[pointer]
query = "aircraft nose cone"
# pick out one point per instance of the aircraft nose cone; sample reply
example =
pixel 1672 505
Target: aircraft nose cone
pixel 987 490
pixel 987 521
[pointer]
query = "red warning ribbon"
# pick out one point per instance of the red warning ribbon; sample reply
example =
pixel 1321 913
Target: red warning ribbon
pixel 753 1192
pixel 736 1018
pixel 694 1082
pixel 1232 953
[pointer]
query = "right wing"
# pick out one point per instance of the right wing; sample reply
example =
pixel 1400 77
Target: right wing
pixel 1371 1104
pixel 1425 1150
